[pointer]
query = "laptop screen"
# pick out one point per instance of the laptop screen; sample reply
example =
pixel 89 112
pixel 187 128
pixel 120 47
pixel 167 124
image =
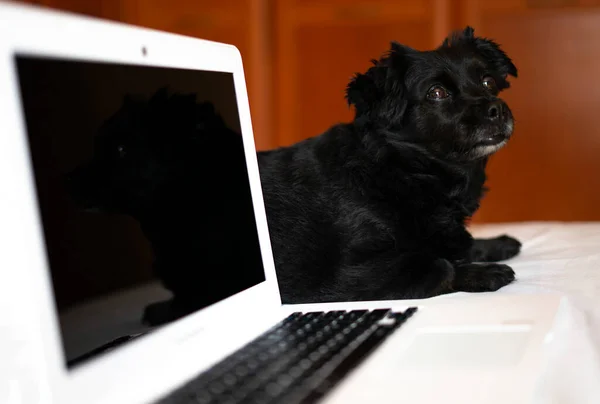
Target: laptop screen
pixel 143 193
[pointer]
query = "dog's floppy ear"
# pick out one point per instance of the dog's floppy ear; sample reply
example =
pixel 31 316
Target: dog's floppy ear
pixel 487 48
pixel 459 38
pixel 491 51
pixel 378 93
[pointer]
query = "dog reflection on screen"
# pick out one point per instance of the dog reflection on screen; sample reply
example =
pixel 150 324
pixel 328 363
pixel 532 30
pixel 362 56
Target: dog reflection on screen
pixel 173 165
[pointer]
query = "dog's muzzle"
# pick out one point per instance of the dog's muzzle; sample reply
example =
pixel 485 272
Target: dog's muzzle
pixel 499 117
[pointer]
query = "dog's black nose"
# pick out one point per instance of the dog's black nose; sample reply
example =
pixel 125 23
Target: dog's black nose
pixel 495 111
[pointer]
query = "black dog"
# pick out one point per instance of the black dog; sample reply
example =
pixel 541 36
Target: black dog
pixel 376 208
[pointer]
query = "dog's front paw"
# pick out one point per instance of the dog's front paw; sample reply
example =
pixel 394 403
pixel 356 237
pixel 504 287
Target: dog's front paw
pixel 487 277
pixel 495 249
pixel 506 247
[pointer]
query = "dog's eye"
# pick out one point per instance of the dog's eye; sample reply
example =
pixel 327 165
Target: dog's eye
pixel 437 93
pixel 489 83
pixel 121 152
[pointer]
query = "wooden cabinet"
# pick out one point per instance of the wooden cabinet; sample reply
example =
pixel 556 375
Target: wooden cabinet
pixel 300 54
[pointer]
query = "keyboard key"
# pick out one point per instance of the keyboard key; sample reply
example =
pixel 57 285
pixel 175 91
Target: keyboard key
pixel 297 361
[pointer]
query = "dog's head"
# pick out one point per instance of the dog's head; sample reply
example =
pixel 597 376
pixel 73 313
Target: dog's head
pixel 445 99
pixel 140 149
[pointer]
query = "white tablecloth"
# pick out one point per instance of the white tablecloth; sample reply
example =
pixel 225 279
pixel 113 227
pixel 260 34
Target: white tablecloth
pixel 563 258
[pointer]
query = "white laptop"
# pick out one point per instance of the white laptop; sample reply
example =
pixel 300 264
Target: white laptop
pixel 74 284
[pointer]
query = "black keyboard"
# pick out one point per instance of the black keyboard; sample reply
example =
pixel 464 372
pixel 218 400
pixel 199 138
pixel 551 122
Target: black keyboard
pixel 297 361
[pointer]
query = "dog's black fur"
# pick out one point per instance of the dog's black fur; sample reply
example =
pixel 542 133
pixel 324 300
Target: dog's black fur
pixel 376 208
pixel 372 209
